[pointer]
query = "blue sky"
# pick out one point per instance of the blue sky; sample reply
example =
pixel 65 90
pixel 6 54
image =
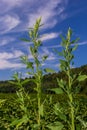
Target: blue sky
pixel 16 16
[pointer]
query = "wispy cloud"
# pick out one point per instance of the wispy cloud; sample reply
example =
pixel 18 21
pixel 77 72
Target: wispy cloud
pixel 7 23
pixel 8 55
pixel 7 5
pixel 5 64
pixel 48 12
pixel 11 18
pixel 82 43
pixel 49 36
pixel 7 60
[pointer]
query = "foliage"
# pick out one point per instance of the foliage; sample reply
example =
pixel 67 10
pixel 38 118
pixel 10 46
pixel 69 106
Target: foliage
pixel 66 86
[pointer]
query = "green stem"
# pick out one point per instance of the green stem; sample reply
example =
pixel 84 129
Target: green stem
pixel 39 98
pixel 39 103
pixel 72 112
pixel 71 103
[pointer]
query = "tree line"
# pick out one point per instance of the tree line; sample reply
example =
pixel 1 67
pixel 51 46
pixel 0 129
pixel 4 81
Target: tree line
pixel 49 81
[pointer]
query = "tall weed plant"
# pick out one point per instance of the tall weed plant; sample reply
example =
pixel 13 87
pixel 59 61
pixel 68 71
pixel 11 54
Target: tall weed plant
pixel 36 112
pixel 32 116
pixel 68 111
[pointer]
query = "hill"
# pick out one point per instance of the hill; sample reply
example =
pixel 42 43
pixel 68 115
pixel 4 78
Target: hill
pixel 49 81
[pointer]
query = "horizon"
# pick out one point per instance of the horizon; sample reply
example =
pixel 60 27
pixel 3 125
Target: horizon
pixel 18 16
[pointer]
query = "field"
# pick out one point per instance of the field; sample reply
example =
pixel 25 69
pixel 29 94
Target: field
pixel 11 110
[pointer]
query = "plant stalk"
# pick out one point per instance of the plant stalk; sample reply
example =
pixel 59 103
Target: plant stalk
pixel 71 102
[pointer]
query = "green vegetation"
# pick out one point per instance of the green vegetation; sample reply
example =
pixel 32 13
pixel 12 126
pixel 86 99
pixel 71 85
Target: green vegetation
pixel 64 109
pixel 49 81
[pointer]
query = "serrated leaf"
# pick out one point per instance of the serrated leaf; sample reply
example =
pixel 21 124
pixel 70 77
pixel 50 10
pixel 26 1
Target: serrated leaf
pixel 81 77
pixel 57 90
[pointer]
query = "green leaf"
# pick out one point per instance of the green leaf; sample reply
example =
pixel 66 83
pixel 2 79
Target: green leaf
pixel 2 101
pixel 59 53
pixel 39 43
pixel 63 40
pixel 33 80
pixel 56 126
pixel 35 126
pixel 25 81
pixel 78 127
pixel 74 41
pixel 17 84
pixel 24 59
pixel 19 122
pixel 69 34
pixel 30 65
pixel 31 49
pixel 44 57
pixel 63 63
pixel 25 40
pixel 37 62
pixel 84 123
pixel 57 90
pixel 59 113
pixel 48 70
pixel 81 77
pixel 15 76
pixel 75 47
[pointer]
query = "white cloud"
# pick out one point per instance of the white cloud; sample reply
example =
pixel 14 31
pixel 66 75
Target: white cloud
pixel 7 60
pixel 49 36
pixel 12 2
pixel 30 10
pixel 47 11
pixel 83 43
pixel 8 55
pixel 7 5
pixel 4 64
pixel 8 22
